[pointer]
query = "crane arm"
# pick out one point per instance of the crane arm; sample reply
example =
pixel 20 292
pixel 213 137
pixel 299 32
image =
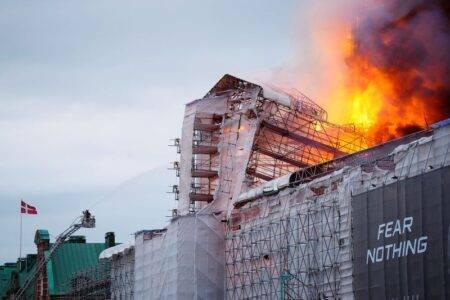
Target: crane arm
pixel 85 221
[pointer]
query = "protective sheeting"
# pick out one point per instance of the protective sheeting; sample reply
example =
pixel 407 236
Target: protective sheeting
pixel 281 98
pixel 238 136
pixel 109 252
pixel 417 157
pixel 266 188
pixel 215 105
pixel 401 238
pixel 185 262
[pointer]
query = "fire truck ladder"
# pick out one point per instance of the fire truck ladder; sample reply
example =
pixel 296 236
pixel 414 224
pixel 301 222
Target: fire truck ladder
pixel 84 221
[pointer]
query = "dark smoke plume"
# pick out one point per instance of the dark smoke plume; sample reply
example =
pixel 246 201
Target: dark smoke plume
pixel 409 41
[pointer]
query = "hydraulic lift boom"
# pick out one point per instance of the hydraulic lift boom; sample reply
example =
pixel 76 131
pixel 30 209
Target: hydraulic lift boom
pixel 86 220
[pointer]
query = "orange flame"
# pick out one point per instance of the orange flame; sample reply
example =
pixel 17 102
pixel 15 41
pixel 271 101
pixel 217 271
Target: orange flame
pixel 389 76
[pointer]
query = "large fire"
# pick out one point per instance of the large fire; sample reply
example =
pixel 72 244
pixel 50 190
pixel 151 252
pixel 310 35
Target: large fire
pixel 386 67
pixel 370 99
pixel 397 65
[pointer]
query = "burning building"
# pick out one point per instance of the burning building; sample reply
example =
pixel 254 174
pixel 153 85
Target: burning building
pixel 277 202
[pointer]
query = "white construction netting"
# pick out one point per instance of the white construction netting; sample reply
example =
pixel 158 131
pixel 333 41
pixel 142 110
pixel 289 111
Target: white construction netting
pixel 185 262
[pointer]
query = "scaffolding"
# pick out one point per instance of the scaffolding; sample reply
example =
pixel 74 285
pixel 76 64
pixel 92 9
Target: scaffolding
pixel 175 167
pixel 205 158
pixel 92 283
pixel 292 257
pixel 297 136
pixel 122 275
pixel 111 278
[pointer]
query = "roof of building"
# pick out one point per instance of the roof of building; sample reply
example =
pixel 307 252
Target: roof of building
pixel 354 159
pixel 291 98
pixel 69 259
pixel 13 275
pixel 41 235
pixel 116 250
pixel 25 272
pixel 5 277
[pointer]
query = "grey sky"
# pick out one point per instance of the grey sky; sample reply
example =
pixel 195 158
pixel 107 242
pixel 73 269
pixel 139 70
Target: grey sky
pixel 91 92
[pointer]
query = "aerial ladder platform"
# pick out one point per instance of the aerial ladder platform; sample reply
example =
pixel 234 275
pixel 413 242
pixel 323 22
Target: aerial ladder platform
pixel 86 220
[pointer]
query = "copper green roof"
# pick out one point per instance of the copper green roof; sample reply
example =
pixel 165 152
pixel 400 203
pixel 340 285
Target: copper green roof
pixel 5 277
pixel 12 276
pixel 41 235
pixel 23 275
pixel 71 257
pixel 68 259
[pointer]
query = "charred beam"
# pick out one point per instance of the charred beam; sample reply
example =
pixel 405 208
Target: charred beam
pixel 281 157
pixel 253 172
pixel 204 173
pixel 204 150
pixel 206 127
pixel 301 139
pixel 201 197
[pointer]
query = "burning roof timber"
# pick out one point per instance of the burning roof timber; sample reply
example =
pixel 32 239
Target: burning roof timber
pixel 242 134
pixel 366 158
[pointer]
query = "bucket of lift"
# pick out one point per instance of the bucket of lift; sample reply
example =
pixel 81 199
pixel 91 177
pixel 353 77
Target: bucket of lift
pixel 88 220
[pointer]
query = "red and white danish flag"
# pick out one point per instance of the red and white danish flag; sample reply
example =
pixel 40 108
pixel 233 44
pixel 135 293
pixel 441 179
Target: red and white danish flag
pixel 26 208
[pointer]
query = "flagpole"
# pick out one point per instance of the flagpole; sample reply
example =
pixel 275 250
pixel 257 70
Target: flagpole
pixel 20 243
